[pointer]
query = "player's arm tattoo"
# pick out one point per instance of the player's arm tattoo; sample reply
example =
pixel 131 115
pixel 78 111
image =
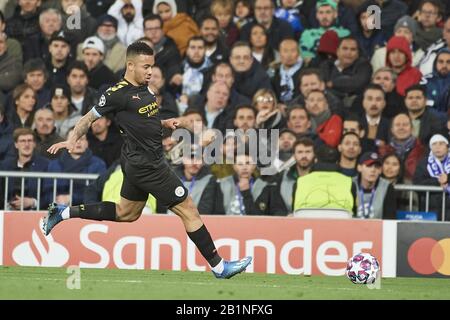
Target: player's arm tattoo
pixel 83 125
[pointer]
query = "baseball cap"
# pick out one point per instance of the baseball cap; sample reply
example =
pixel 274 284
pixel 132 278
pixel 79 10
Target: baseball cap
pixel 94 43
pixel 331 3
pixel 61 90
pixel 438 138
pixel 370 158
pixel 59 36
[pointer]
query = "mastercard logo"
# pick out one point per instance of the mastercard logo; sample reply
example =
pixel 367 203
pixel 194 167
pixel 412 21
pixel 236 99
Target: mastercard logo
pixel 427 256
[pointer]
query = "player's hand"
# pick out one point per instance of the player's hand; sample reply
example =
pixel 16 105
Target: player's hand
pixel 61 145
pixel 171 123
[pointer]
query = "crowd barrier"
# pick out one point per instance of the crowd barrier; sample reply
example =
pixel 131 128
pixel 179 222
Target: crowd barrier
pixel 282 245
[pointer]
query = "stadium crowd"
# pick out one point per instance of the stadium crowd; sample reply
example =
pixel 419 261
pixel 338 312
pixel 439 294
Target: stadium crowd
pixel 359 107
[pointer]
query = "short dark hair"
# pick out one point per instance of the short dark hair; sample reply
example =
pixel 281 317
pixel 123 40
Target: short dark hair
pixel 192 110
pixel 139 47
pixel 244 106
pixel 151 17
pixel 297 107
pixel 437 3
pixel 416 87
pixel 373 86
pixel 240 44
pixel 305 141
pixel 79 65
pixel 2 16
pixel 351 38
pixel 308 72
pixel 196 38
pixel 209 17
pixel 35 64
pixel 221 64
pixel 349 134
pixel 355 118
pixel 326 154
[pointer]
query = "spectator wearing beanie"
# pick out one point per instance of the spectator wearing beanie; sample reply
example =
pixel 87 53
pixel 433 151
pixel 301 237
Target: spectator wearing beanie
pixel 326 51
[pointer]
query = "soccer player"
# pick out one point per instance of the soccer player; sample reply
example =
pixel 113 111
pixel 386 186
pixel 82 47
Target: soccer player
pixel 143 164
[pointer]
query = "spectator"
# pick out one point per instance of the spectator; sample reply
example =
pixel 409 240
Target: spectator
pixel 289 11
pixel 430 14
pixel 433 170
pixel 104 142
pixel 130 21
pixel 26 161
pixel 427 62
pixel 352 123
pixel 25 21
pixel 167 56
pixel 392 169
pixel 328 126
pixel 438 83
pixel 304 160
pixel 243 13
pixel 115 51
pixel 87 24
pixel 326 50
pixel 36 46
pixel 216 49
pixel 25 102
pixel 324 186
pixel 345 14
pixel 349 149
pixel 98 8
pixel 168 105
pixel 286 79
pixel 249 75
pixel 35 75
pixel 404 144
pixel 64 111
pixel 6 142
pixel 14 47
pixel 244 118
pixel 261 50
pixel 59 59
pixel 327 16
pixel 406 27
pixel 223 11
pixel 82 96
pixel 284 158
pixel 392 11
pixel 227 150
pixel 299 121
pixel 399 59
pixel 349 74
pixel 10 67
pixel 93 55
pixel 276 29
pixel 45 133
pixel 269 115
pixel 242 194
pixel 376 196
pixel 179 26
pixel 79 160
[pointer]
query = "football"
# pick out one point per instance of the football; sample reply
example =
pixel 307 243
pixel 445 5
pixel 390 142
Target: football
pixel 362 268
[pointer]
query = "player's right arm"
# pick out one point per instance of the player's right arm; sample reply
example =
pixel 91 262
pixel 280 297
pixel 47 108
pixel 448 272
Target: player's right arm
pixel 80 129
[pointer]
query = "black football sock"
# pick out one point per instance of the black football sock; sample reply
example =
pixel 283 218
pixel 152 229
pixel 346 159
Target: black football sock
pixel 205 245
pixel 96 211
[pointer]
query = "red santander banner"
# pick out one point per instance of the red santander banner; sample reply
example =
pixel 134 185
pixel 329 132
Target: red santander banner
pixel 283 245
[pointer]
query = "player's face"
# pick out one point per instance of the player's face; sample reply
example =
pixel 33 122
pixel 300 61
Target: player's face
pixel 304 156
pixel 141 66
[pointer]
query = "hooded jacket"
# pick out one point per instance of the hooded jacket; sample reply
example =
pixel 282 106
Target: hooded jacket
pixel 128 32
pixel 410 75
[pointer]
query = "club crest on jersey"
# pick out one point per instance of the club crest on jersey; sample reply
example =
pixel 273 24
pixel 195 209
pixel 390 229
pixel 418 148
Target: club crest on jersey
pixel 102 101
pixel 179 191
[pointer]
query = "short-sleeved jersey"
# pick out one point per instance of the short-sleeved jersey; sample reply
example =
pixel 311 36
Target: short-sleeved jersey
pixel 137 114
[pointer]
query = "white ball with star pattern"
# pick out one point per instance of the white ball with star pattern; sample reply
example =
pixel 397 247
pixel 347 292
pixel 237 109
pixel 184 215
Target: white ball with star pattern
pixel 363 268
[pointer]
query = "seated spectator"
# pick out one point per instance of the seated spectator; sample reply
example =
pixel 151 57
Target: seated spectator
pixel 299 121
pixel 93 55
pixel 64 111
pixel 82 96
pixel 25 102
pixel 289 11
pixel 304 161
pixel 45 133
pixel 427 63
pixel 376 196
pixel 326 125
pixel 352 123
pixel 326 50
pixel 25 160
pixel 80 160
pixel 349 149
pixel 285 158
pixel 25 21
pixel 345 14
pixel 249 75
pixel 14 47
pixel 10 67
pixel 168 106
pixel 244 118
pixel 59 59
pixel 404 144
pixel 433 170
pixel 223 11
pixel 6 141
pixel 115 51
pixel 399 58
pixel 349 74
pixel 406 27
pixel 179 26
pixel 104 142
pixel 392 169
pixel 269 115
pixel 286 78
pixel 35 75
pixel 216 49
pixel 438 83
pixel 277 29
pixel 242 194
pixel 325 187
pixel 426 123
pixel 261 50
pixel 242 13
pixel 199 181
pixel 107 188
pixel 430 14
pixel 130 21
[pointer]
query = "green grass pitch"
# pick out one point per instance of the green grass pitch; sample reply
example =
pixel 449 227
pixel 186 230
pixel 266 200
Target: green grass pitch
pixel 50 283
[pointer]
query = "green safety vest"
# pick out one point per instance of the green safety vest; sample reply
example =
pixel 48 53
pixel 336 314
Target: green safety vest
pixel 111 190
pixel 324 189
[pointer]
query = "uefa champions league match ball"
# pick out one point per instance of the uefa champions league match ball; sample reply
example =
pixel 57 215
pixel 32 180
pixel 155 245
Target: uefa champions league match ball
pixel 362 268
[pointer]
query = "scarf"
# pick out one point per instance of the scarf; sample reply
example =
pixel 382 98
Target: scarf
pixel 435 167
pixel 193 76
pixel 287 83
pixel 403 147
pixel 319 119
pixel 109 44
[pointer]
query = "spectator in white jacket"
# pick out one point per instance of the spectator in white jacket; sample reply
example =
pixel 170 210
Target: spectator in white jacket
pixel 130 21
